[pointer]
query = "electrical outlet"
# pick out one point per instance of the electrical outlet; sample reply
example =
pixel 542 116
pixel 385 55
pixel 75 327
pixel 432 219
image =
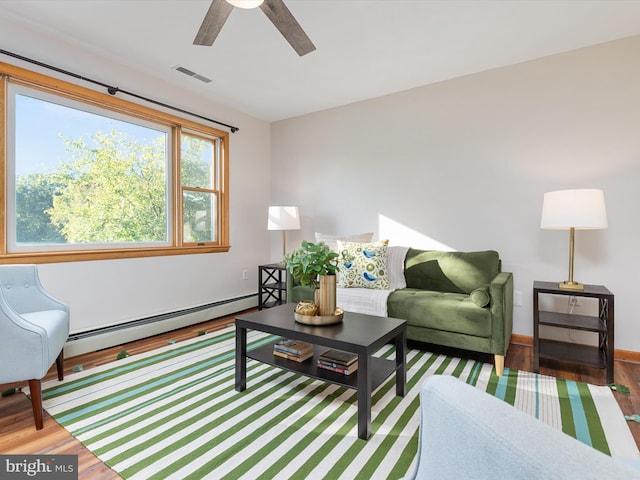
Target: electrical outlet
pixel 517 299
pixel 245 274
pixel 574 301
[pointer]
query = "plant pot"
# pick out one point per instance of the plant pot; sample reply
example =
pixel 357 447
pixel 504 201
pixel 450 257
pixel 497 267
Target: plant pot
pixel 326 295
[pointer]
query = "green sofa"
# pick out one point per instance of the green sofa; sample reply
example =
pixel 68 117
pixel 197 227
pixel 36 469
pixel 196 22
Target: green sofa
pixel 456 299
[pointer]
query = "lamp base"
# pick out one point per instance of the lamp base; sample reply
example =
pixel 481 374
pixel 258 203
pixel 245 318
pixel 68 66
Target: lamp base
pixel 569 285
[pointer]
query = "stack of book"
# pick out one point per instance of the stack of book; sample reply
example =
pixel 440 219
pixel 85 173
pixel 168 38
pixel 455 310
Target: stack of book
pixel 293 350
pixel 338 361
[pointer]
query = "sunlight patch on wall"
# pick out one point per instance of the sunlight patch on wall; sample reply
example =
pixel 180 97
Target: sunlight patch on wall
pixel 399 234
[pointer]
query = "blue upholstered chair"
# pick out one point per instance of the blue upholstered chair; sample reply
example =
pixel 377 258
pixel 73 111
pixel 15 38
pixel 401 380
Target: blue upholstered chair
pixel 467 433
pixel 33 327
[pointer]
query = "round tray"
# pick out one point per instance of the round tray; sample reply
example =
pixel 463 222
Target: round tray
pixel 320 320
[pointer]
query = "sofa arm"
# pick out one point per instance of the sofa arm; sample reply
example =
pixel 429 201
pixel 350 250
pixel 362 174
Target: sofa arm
pixel 297 292
pixel 290 285
pixel 467 433
pixel 501 291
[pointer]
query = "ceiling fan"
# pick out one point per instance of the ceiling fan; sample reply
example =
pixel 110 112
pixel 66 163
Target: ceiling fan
pixel 275 10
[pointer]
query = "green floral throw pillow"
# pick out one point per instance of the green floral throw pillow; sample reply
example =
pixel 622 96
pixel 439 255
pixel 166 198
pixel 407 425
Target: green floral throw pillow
pixel 363 265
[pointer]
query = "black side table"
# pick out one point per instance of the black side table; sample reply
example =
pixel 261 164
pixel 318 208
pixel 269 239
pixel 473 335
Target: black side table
pixel 600 355
pixel 272 288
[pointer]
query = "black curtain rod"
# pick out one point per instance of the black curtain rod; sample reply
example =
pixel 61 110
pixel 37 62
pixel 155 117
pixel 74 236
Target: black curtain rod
pixel 113 90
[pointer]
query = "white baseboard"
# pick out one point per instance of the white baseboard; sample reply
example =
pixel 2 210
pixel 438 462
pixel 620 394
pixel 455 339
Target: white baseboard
pixel 136 332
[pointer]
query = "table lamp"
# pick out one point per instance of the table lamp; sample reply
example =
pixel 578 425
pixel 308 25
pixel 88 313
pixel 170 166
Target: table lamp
pixel 283 218
pixel 573 210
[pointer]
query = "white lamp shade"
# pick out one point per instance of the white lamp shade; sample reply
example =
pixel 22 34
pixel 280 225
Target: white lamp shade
pixel 283 218
pixel 582 209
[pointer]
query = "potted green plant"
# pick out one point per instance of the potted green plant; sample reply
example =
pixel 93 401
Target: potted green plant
pixel 315 264
pixel 311 260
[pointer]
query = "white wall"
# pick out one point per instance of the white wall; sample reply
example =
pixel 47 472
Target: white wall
pixel 464 164
pixel 108 292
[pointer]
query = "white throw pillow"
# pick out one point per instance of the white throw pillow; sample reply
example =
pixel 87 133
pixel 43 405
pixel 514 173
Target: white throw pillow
pixel 332 240
pixel 395 267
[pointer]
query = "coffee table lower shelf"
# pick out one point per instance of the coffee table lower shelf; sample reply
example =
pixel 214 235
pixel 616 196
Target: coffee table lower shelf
pixel 361 334
pixel 381 369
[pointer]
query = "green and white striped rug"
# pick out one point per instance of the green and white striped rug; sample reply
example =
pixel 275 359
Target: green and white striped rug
pixel 174 413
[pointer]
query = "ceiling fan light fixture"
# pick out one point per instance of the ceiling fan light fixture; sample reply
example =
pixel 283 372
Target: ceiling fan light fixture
pixel 245 3
pixel 275 10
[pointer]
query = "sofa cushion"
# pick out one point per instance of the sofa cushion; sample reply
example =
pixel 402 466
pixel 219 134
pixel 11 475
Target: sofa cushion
pixel 363 265
pixel 453 312
pixel 480 296
pixel 457 272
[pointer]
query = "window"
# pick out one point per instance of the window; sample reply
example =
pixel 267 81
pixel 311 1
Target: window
pixel 90 179
pixel 198 177
pixel 93 176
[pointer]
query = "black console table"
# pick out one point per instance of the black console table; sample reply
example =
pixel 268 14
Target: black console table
pixel 600 355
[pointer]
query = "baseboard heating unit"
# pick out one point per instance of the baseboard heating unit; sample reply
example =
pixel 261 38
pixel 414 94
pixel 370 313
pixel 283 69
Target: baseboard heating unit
pixel 105 337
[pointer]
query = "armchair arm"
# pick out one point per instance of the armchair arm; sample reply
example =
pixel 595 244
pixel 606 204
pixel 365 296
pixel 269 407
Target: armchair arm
pixel 501 291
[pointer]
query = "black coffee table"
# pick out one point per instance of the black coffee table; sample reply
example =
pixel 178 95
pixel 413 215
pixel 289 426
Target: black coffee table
pixel 357 333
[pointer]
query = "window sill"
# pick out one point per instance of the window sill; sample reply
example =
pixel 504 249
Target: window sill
pixel 90 255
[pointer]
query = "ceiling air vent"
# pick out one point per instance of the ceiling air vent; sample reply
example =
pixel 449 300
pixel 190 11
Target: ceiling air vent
pixel 186 71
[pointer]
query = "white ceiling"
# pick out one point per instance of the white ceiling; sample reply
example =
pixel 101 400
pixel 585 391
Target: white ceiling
pixel 365 48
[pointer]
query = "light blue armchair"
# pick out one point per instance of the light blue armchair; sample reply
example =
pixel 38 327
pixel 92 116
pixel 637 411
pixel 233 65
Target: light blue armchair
pixel 34 328
pixel 467 433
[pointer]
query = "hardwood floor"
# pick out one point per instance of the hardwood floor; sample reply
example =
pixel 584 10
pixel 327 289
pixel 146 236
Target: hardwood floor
pixel 18 435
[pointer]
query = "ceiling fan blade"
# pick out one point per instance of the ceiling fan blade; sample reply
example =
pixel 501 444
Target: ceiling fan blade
pixel 213 21
pixel 289 27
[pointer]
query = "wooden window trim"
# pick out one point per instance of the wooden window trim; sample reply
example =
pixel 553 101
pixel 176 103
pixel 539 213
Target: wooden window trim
pixel 92 97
